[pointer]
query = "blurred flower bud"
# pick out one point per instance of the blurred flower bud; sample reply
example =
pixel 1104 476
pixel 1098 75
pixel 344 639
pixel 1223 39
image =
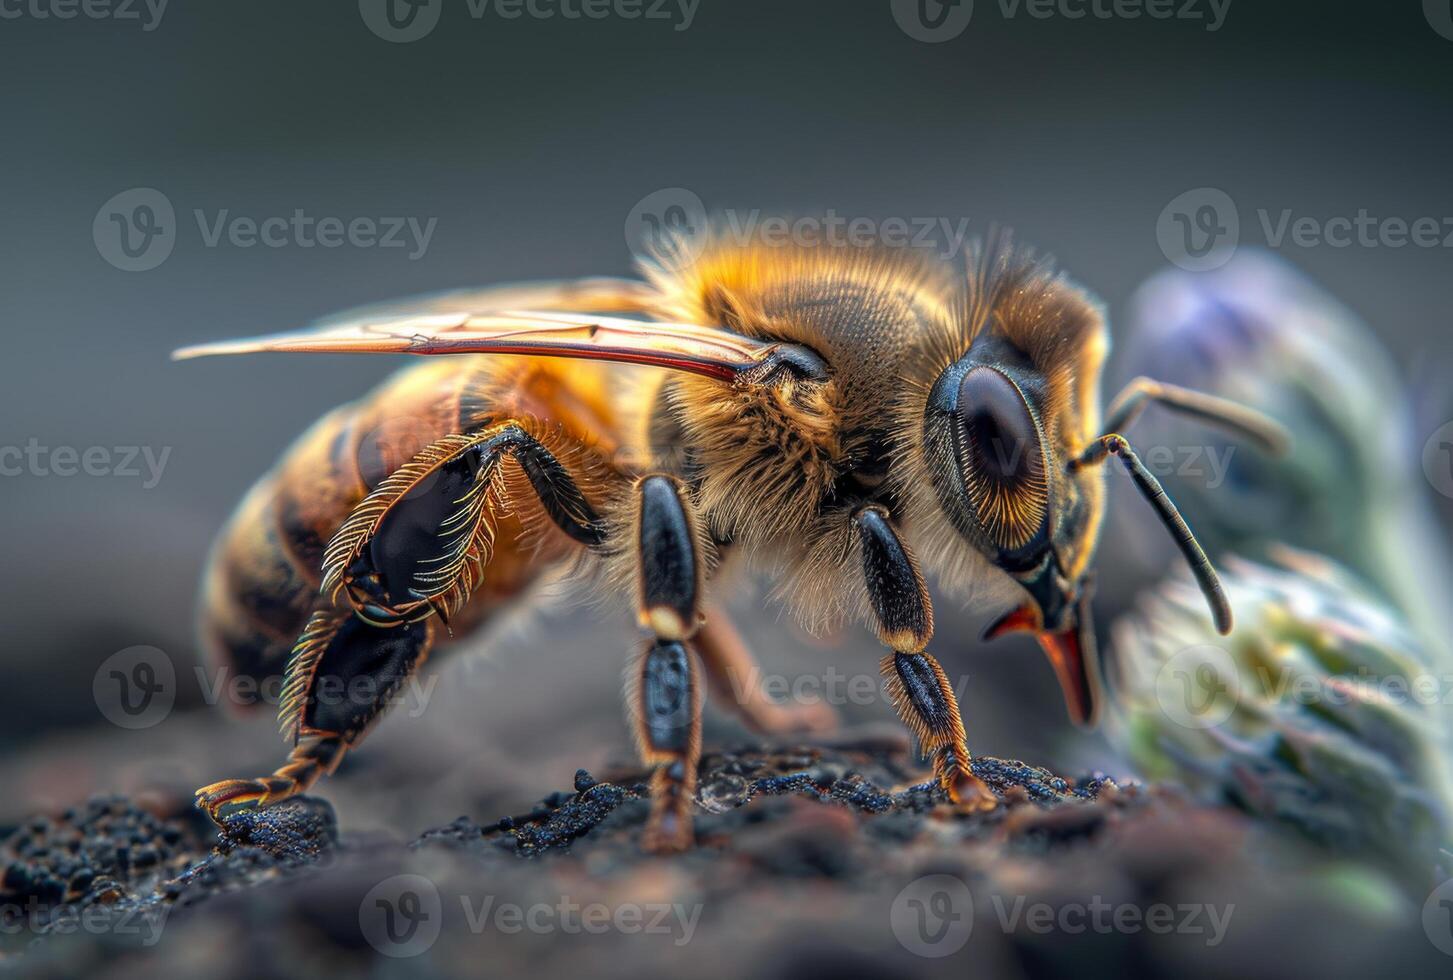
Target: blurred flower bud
pixel 1322 713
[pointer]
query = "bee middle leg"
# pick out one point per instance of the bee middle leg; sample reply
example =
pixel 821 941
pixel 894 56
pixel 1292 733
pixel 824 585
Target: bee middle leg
pixel 916 682
pixel 666 697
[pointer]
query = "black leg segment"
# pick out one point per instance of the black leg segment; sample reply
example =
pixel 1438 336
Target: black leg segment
pixel 668 730
pixel 410 549
pixel 670 569
pixel 667 691
pixel 895 588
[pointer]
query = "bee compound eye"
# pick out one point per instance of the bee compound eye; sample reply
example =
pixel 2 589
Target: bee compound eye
pixel 1002 492
pixel 998 436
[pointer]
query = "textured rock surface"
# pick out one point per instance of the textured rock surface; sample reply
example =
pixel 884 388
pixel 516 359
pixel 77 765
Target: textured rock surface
pixel 809 860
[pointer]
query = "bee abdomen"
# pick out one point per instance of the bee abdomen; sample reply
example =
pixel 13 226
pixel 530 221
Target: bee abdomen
pixel 262 580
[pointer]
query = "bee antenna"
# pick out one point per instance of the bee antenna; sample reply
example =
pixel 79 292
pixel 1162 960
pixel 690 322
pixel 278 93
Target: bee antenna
pixel 1165 509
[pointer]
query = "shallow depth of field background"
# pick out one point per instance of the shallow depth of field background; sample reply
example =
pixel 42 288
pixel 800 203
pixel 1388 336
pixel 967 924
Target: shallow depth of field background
pixel 531 141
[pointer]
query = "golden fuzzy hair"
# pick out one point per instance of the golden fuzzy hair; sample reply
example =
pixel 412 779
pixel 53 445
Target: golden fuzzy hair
pixel 771 454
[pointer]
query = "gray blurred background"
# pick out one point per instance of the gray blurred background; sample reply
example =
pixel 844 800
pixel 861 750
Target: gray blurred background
pixel 531 141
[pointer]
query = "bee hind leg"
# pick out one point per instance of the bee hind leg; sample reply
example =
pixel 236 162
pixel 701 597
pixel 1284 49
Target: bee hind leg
pixel 410 551
pixel 343 674
pixel 734 679
pixel 307 761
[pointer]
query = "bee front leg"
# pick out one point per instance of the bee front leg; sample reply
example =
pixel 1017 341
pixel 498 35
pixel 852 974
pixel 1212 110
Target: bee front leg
pixel 666 697
pixel 916 682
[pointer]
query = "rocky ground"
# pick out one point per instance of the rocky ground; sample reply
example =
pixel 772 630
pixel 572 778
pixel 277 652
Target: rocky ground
pixel 810 861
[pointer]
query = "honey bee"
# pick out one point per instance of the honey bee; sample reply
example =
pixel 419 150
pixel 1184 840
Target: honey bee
pixel 845 420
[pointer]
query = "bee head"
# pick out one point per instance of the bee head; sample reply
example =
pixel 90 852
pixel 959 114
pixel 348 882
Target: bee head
pixel 999 477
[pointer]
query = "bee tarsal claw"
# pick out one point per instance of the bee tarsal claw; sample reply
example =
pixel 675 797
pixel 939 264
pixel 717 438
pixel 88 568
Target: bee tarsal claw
pixel 231 795
pixel 971 794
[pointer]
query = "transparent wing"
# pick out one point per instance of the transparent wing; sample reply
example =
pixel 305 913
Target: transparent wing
pixel 436 325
